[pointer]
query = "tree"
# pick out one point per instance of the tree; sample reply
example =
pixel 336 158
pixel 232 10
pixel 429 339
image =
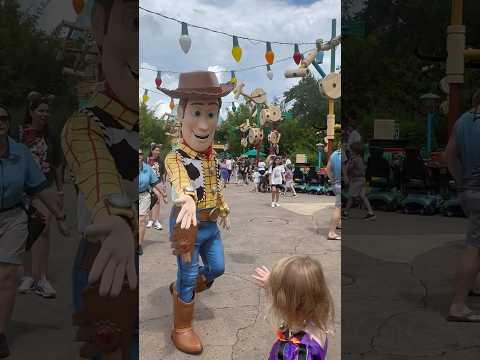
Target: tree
pixel 152 129
pixel 28 63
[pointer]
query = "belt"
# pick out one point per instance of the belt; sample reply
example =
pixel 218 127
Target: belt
pixel 208 214
pixel 203 215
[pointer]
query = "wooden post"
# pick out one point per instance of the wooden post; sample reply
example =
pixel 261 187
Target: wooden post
pixel 331 104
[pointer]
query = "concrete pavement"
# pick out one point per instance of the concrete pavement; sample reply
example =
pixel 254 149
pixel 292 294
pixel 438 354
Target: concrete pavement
pixel 230 316
pixel 397 283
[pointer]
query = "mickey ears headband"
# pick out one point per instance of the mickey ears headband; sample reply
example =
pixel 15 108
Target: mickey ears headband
pixel 35 96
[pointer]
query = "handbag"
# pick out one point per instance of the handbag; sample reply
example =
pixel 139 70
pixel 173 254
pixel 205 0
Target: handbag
pixel 36 225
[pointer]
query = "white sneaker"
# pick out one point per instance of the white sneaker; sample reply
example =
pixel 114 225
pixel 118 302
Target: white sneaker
pixel 273 204
pixel 45 289
pixel 276 204
pixel 158 226
pixel 149 224
pixel 26 285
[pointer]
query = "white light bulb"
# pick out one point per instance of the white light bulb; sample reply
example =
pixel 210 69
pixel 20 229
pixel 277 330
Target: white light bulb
pixel 270 74
pixel 185 43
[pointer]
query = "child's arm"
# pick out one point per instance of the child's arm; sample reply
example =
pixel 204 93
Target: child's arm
pixel 262 275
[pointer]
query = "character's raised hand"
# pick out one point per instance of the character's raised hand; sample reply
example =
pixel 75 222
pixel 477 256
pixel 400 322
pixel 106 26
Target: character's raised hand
pixel 187 215
pixel 116 257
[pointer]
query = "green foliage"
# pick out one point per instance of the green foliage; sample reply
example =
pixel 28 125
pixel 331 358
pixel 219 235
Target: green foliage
pixel 388 78
pixel 28 64
pixel 300 133
pixel 152 129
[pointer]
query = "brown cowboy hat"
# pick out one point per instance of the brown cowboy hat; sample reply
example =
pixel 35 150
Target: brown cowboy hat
pixel 199 84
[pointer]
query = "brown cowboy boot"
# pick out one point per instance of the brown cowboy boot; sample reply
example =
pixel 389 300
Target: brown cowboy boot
pixel 183 335
pixel 202 285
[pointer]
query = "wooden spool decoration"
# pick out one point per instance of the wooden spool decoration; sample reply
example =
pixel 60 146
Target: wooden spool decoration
pixel 255 136
pixel 244 127
pixel 259 96
pixel 331 86
pixel 274 137
pixel 271 114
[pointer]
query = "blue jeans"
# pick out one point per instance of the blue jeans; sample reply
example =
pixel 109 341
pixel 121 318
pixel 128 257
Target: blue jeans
pixel 80 282
pixel 210 248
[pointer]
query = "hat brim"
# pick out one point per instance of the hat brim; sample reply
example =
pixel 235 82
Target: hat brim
pixel 215 92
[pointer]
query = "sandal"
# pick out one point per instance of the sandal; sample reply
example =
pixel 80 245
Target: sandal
pixel 336 237
pixel 473 316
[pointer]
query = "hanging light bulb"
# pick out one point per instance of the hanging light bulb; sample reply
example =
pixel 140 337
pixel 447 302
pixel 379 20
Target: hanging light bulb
pixel 185 41
pixel 233 78
pixel 297 56
pixel 269 55
pixel 78 5
pixel 172 104
pixel 145 97
pixel 269 72
pixel 236 50
pixel 158 79
pixel 320 53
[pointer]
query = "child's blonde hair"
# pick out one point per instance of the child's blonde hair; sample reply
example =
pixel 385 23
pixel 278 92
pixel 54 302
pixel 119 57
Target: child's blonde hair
pixel 298 294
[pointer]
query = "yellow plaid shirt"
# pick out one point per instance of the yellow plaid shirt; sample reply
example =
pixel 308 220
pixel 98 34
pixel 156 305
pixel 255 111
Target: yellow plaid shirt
pixel 88 156
pixel 212 194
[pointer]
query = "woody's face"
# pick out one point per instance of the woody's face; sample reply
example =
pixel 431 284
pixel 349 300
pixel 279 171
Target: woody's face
pixel 119 43
pixel 199 122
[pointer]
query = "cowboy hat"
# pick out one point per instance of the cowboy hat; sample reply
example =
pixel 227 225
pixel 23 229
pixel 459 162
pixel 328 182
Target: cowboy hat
pixel 199 84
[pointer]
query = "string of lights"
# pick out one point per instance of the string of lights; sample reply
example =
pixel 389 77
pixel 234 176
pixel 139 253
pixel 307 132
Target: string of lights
pixel 224 33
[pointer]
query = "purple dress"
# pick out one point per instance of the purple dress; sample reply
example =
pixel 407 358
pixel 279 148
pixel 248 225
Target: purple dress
pixel 306 349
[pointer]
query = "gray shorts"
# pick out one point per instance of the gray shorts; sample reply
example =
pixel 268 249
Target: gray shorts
pixel 13 236
pixel 356 187
pixel 470 201
pixel 337 189
pixel 144 200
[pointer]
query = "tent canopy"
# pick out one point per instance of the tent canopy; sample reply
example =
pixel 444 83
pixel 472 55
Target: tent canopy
pixel 253 153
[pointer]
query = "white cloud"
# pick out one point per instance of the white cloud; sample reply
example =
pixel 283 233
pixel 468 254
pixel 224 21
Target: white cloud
pixel 272 20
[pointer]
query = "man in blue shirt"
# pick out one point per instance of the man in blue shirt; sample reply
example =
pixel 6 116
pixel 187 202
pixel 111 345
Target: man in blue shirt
pixel 463 159
pixel 334 171
pixel 147 180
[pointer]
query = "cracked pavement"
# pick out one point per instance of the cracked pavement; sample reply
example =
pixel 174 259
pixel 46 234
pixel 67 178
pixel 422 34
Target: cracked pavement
pixel 230 317
pixel 397 284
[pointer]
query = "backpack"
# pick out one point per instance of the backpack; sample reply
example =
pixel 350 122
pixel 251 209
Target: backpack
pixel 299 346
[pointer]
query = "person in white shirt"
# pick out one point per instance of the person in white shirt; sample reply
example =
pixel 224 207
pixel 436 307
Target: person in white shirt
pixel 256 180
pixel 229 164
pixel 277 177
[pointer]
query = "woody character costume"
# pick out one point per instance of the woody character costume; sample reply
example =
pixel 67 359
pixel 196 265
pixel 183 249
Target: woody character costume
pixel 100 143
pixel 193 171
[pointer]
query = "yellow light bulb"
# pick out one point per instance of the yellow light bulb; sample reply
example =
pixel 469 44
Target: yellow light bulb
pixel 237 53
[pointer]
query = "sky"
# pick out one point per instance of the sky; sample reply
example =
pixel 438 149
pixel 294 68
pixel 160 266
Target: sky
pixel 270 20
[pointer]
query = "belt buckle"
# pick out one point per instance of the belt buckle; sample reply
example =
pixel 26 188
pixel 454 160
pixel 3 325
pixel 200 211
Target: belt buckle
pixel 213 214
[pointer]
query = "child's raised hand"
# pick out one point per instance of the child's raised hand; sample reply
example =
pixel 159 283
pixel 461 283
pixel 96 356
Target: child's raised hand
pixel 261 275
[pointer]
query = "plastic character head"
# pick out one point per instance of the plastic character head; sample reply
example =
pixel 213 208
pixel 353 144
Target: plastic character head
pixel 200 101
